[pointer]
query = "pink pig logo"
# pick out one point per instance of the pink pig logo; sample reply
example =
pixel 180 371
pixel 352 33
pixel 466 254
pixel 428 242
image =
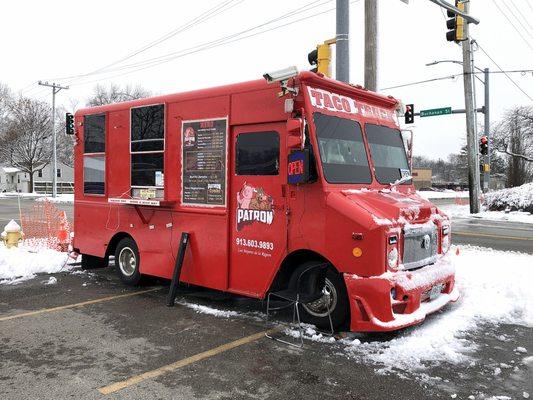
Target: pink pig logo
pixel 244 197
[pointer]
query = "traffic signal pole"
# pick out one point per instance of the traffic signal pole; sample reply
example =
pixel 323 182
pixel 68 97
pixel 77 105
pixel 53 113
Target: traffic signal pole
pixel 371 44
pixel 471 128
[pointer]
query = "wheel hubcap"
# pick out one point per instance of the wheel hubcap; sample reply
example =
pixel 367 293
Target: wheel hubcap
pixel 328 301
pixel 127 261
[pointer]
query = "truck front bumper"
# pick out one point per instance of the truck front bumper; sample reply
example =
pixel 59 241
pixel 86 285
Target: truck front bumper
pixel 399 299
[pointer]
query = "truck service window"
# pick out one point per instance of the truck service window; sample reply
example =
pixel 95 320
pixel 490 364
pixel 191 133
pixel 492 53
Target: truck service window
pixel 94 154
pixel 342 150
pixel 147 146
pixel 257 153
pixel 388 153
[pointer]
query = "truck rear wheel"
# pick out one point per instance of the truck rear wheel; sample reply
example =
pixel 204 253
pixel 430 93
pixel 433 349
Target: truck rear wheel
pixel 335 299
pixel 127 262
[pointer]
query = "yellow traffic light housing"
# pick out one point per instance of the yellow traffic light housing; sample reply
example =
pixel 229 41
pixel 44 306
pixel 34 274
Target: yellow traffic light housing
pixel 321 57
pixel 456 24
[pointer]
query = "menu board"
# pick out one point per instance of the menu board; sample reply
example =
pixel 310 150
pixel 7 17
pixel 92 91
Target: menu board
pixel 204 162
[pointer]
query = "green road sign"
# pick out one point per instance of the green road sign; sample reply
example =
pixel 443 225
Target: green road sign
pixel 436 111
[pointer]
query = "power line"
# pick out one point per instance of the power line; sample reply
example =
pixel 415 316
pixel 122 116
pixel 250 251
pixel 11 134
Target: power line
pixel 513 25
pixel 521 14
pixel 206 15
pixel 522 71
pixel 504 72
pixel 212 44
pixel 517 19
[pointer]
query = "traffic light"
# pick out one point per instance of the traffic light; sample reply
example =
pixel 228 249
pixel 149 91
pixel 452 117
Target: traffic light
pixel 409 113
pixel 484 145
pixel 456 24
pixel 69 118
pixel 321 57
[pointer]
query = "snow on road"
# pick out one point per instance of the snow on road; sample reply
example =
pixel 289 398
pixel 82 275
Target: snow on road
pixel 495 288
pixel 463 211
pixel 446 194
pixel 20 264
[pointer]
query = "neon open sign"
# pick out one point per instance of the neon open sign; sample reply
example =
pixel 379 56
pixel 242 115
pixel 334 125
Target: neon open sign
pixel 298 167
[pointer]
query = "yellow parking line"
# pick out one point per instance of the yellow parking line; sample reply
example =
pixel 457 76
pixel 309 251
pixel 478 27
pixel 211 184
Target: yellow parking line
pixel 487 235
pixel 115 387
pixel 84 303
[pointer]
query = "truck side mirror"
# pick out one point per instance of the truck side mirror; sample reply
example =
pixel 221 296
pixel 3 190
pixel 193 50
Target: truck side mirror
pixel 69 126
pixel 295 133
pixel 298 167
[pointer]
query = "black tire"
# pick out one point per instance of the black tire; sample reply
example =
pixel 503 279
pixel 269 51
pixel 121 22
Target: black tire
pixel 127 262
pixel 316 313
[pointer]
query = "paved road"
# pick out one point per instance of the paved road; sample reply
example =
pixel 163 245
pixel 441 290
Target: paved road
pixel 90 337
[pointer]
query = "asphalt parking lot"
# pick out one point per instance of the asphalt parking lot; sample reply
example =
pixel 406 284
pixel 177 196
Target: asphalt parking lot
pixel 90 337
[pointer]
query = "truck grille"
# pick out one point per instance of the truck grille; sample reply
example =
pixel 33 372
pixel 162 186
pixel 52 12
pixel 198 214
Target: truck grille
pixel 420 245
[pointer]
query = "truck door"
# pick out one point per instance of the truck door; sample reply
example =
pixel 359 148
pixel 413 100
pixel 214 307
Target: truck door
pixel 258 222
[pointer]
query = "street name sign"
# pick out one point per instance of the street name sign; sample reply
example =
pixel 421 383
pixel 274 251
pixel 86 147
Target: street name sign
pixel 435 111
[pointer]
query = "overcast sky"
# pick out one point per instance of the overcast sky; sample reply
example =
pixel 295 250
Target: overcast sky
pixel 50 40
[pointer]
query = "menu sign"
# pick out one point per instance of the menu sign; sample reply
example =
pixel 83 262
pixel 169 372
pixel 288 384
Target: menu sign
pixel 204 162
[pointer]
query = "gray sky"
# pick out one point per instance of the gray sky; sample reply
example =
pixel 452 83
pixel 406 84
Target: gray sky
pixel 55 39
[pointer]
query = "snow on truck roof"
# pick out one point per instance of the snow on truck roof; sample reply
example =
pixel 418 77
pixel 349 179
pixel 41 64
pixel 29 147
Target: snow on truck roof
pixel 306 77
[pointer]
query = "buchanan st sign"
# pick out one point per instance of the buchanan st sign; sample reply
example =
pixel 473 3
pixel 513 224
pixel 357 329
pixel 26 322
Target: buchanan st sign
pixel 435 111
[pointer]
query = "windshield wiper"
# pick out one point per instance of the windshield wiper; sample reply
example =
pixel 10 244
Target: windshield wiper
pixel 400 181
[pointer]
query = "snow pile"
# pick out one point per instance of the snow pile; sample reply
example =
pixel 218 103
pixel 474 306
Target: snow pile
pixel 446 194
pixel 61 198
pixel 463 211
pixel 208 310
pixel 495 287
pixel 519 198
pixel 19 264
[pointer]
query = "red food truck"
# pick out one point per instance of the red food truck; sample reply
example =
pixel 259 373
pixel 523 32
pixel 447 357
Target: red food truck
pixel 266 176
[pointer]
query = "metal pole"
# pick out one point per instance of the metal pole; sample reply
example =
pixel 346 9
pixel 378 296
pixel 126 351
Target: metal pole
pixel 486 177
pixel 342 72
pixel 371 44
pixel 55 89
pixel 54 149
pixel 471 129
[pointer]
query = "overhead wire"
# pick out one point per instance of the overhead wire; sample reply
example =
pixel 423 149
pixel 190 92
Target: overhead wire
pixel 214 43
pixel 526 30
pixel 504 72
pixel 526 20
pixel 513 25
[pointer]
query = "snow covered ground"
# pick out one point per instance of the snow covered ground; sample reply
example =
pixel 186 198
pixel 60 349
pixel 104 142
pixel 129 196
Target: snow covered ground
pixel 61 198
pixel 463 211
pixel 446 194
pixel 20 264
pixel 490 296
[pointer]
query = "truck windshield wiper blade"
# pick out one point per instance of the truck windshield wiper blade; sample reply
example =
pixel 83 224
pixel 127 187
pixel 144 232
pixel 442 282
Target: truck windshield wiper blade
pixel 400 181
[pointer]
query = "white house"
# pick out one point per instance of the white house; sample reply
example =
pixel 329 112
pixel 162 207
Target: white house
pixel 14 180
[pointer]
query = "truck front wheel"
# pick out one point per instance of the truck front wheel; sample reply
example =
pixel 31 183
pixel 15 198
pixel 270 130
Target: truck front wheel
pixel 334 299
pixel 127 262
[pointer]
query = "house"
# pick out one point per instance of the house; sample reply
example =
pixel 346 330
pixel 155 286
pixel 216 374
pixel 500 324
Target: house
pixel 14 180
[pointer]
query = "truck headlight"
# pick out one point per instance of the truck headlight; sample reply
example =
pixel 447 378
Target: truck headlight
pixel 392 258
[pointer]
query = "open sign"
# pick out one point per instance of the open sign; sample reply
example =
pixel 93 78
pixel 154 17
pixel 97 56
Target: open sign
pixel 298 167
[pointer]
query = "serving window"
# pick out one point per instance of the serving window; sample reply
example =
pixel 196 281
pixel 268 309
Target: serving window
pixel 94 135
pixel 147 149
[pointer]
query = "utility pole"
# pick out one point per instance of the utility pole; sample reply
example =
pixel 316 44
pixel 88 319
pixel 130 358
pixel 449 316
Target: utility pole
pixel 371 44
pixel 471 128
pixel 55 89
pixel 342 72
pixel 486 174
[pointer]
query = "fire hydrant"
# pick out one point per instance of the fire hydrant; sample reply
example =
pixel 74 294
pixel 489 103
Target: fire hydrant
pixel 12 234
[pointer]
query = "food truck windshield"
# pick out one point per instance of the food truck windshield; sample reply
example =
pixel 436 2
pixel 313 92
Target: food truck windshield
pixel 343 155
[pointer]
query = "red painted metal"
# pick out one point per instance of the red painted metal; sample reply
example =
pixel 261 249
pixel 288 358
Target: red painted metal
pixel 240 247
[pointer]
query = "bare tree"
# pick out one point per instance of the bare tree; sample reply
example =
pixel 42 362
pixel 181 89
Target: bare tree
pixel 513 137
pixel 116 94
pixel 27 140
